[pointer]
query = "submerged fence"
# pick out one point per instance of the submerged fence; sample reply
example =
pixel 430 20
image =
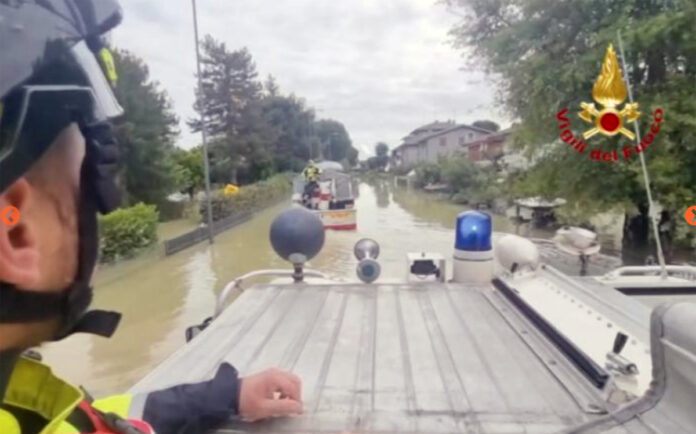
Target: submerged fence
pixel 201 233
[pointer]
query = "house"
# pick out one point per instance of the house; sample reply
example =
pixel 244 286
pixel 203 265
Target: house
pixel 451 141
pixel 432 141
pixel 487 147
pixel 410 153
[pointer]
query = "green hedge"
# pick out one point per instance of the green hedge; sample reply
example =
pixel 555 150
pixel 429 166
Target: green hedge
pixel 126 231
pixel 250 198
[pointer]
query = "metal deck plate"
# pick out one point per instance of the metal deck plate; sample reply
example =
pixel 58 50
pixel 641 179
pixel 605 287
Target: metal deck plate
pixel 387 358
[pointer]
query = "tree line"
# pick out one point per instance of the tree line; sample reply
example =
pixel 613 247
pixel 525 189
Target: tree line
pixel 254 130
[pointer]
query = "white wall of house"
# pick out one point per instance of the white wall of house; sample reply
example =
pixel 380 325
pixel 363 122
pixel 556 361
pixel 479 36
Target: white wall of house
pixel 410 156
pixel 430 150
pixel 450 143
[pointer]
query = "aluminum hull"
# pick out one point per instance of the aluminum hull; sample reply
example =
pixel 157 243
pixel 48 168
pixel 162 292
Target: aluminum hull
pixel 436 358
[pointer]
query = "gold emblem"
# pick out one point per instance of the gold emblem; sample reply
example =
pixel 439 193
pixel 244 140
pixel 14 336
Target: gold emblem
pixel 610 92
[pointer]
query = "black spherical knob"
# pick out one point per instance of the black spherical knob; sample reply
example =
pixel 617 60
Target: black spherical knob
pixel 297 235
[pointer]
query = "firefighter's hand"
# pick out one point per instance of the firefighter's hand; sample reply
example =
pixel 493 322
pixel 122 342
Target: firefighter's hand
pixel 271 393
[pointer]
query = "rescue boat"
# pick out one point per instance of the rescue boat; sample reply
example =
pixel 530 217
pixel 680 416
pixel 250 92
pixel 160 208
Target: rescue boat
pixel 333 201
pixel 502 343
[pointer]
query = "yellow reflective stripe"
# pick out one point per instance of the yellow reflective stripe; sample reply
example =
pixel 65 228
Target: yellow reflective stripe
pixel 119 404
pixel 109 65
pixel 33 387
pixel 65 428
pixel 8 423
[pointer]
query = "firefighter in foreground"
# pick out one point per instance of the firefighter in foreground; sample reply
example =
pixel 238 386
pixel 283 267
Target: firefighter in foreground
pixel 311 175
pixel 57 162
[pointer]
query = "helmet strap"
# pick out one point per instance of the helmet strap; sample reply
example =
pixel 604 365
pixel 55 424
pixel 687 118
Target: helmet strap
pixel 8 359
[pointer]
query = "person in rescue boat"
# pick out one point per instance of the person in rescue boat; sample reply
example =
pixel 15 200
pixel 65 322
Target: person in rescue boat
pixel 58 158
pixel 311 175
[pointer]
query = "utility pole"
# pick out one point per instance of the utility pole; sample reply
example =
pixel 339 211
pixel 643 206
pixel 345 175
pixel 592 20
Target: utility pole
pixel 204 135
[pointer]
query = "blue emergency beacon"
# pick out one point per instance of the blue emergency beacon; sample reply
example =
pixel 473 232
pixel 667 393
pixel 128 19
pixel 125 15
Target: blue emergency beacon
pixel 473 251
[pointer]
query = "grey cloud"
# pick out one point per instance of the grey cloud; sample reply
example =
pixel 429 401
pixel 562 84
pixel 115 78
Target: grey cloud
pixel 380 67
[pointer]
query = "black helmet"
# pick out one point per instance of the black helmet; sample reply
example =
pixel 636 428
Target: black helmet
pixel 52 64
pixel 55 71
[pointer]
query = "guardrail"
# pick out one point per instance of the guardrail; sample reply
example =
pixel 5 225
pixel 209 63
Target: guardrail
pixel 201 233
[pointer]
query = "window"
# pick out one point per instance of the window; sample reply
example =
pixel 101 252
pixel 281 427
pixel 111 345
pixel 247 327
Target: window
pixel 443 141
pixel 471 136
pixel 461 141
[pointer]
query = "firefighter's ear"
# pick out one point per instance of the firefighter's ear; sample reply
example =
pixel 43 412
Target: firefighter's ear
pixel 19 254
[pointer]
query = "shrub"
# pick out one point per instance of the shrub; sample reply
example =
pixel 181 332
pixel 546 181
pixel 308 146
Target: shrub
pixel 460 174
pixel 250 197
pixel 428 173
pixel 127 230
pixel 467 182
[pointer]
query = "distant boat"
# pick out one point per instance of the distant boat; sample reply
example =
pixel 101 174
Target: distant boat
pixel 334 200
pixel 435 187
pixel 535 209
pixel 539 202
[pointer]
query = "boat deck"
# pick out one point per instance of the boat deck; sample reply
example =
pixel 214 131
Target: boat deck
pixel 438 358
pixel 596 264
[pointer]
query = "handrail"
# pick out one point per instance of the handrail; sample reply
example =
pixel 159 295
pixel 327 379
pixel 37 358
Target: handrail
pixel 236 283
pixel 594 372
pixel 680 270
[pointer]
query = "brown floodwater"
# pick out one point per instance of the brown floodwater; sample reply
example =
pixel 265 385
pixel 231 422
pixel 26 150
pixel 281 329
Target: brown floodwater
pixel 161 296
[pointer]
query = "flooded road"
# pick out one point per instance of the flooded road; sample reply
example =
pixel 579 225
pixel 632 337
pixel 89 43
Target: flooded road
pixel 161 296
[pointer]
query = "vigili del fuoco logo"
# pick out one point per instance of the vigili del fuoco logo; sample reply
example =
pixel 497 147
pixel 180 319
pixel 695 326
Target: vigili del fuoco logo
pixel 608 118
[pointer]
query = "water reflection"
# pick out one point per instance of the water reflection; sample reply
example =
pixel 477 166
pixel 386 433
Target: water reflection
pixel 382 190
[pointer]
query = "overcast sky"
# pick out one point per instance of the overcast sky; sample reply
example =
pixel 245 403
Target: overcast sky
pixel 381 67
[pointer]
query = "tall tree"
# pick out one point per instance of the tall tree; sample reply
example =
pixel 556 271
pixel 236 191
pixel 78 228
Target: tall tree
pixel 229 101
pixel 381 158
pixel 333 139
pixel 487 125
pixel 382 149
pixel 255 130
pixel 146 133
pixel 548 54
pixel 270 86
pixel 229 87
pixel 352 156
pixel 290 124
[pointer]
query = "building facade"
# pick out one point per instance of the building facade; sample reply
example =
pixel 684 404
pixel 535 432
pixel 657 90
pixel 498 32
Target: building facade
pixel 429 143
pixel 488 147
pixel 451 141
